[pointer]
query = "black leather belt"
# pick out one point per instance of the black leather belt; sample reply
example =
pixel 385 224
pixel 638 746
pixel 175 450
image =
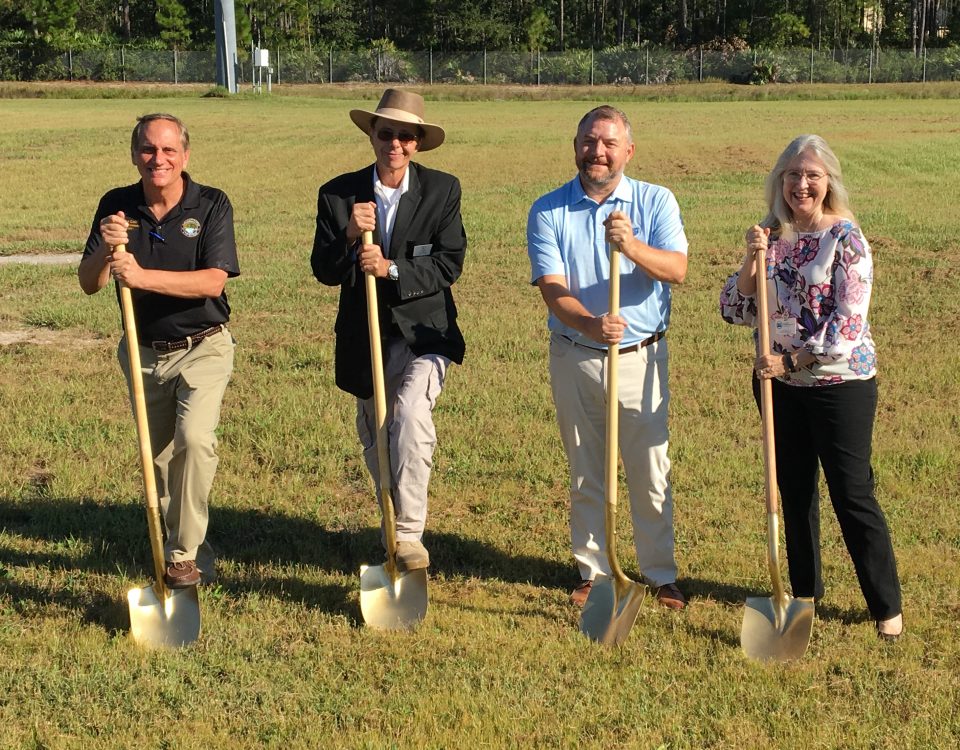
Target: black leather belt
pixel 623 349
pixel 189 342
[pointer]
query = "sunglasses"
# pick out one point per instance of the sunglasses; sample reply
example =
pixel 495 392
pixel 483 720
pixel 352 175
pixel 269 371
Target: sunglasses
pixel 386 135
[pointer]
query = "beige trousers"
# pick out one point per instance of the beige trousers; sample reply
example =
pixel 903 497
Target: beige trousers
pixel 578 379
pixel 413 385
pixel 183 392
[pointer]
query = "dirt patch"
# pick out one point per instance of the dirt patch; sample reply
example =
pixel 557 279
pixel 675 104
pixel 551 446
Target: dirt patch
pixel 46 337
pixel 44 259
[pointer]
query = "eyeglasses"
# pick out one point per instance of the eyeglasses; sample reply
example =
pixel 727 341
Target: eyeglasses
pixel 386 135
pixel 812 177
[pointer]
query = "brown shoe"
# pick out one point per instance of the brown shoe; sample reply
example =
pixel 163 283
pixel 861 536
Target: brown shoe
pixel 182 575
pixel 412 555
pixel 671 597
pixel 580 593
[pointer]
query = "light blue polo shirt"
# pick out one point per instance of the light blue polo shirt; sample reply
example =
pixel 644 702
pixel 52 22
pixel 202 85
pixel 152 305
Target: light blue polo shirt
pixel 565 237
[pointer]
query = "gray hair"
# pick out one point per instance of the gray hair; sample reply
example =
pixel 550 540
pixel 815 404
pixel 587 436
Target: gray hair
pixel 137 137
pixel 606 112
pixel 837 200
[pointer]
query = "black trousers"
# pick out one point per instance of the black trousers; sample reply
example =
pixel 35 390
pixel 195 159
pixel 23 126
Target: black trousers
pixel 832 425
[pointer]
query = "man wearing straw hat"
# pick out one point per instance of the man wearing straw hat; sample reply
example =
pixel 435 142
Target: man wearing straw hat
pixel 417 253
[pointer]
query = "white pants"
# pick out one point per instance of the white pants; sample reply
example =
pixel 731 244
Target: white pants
pixel 578 379
pixel 413 385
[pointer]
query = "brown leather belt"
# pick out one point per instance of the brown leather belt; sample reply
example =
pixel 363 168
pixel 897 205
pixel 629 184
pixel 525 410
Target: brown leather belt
pixel 189 342
pixel 623 349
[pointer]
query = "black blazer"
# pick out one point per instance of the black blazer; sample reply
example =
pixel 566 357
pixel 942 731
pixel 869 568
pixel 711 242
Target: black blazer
pixel 428 245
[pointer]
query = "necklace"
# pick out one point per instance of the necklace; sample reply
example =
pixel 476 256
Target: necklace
pixel 808 226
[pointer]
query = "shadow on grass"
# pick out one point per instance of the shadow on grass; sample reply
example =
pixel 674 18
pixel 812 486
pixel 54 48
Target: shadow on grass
pixel 81 534
pixel 93 607
pixel 84 536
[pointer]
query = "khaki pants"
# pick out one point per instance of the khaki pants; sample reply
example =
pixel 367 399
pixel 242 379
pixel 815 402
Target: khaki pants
pixel 578 379
pixel 183 392
pixel 413 385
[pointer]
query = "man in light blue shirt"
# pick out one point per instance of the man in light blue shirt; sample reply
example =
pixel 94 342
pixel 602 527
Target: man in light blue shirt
pixel 568 235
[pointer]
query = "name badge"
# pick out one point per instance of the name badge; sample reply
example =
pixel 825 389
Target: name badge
pixel 784 328
pixel 421 250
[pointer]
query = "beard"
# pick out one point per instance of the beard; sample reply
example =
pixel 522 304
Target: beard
pixel 597 179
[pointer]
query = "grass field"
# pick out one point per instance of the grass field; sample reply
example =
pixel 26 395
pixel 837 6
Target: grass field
pixel 284 660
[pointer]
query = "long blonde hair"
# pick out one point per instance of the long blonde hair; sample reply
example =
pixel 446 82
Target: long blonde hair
pixel 836 201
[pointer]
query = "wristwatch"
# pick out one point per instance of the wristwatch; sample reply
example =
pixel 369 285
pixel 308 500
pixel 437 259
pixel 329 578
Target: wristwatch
pixel 393 273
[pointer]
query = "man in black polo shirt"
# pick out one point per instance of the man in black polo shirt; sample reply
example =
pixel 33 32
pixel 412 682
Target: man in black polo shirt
pixel 181 251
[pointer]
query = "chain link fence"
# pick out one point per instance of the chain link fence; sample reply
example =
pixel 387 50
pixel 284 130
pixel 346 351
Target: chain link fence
pixel 619 66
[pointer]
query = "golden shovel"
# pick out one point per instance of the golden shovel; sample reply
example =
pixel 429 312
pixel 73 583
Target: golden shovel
pixel 389 599
pixel 159 617
pixel 614 601
pixel 775 628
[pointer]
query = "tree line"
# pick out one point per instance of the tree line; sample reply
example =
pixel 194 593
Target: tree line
pixel 463 25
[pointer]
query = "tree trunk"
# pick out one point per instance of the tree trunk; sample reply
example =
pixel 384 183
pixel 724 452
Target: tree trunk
pixel 125 31
pixel 913 24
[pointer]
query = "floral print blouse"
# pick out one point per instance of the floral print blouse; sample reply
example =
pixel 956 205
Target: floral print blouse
pixel 823 282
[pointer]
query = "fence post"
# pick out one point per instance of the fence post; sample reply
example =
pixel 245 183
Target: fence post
pixel 811 63
pixel 175 79
pixel 431 66
pixel 870 67
pixel 700 74
pixel 646 72
pixel 924 64
pixel 484 66
pixel 123 64
pixel 330 77
pixel 278 65
pixel 591 66
pixel 538 67
pixel 70 63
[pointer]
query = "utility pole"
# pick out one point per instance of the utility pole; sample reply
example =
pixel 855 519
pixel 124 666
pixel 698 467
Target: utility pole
pixel 226 33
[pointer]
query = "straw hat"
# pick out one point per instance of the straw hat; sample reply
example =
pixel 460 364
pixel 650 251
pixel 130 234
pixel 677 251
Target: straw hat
pixel 400 106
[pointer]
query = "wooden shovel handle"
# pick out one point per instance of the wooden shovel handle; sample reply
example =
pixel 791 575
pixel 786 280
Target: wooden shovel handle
pixel 766 385
pixel 380 410
pixel 143 433
pixel 611 450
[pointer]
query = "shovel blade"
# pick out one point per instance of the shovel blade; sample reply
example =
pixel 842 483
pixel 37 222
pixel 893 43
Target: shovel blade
pixel 776 633
pixel 156 622
pixel 611 609
pixel 389 603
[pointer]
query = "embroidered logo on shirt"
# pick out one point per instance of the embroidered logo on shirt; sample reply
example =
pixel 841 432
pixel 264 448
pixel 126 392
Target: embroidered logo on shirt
pixel 190 228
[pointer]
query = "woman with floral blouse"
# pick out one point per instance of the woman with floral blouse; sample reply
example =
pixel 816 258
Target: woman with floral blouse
pixel 823 366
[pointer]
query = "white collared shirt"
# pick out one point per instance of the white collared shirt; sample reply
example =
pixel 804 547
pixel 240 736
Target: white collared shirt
pixel 387 201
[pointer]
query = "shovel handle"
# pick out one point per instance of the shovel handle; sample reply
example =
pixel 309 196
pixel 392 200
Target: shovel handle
pixel 769 449
pixel 766 385
pixel 380 410
pixel 613 423
pixel 143 433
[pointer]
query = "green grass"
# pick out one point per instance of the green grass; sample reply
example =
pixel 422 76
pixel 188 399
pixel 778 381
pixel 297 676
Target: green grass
pixel 284 660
